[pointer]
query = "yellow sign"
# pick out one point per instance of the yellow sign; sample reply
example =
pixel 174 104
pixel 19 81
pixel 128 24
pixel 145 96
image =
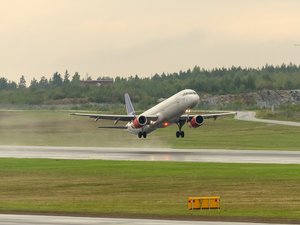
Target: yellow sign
pixel 204 202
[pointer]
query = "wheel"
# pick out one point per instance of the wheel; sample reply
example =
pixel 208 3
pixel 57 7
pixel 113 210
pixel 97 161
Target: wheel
pixel 182 134
pixel 140 134
pixel 177 134
pixel 144 134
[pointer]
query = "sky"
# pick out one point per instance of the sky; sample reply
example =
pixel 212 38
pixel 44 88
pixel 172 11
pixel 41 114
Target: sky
pixel 144 37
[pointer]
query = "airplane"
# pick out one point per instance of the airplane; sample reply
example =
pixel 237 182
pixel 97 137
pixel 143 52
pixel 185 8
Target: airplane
pixel 174 110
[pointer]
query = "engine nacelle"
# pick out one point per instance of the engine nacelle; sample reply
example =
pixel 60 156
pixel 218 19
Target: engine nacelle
pixel 139 122
pixel 196 121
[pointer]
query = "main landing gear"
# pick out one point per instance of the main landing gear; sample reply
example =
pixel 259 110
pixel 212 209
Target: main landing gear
pixel 180 133
pixel 142 134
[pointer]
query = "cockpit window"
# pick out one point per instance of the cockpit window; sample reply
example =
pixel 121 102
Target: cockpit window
pixel 189 93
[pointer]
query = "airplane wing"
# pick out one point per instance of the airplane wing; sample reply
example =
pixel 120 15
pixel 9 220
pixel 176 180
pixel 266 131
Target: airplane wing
pixel 207 116
pixel 114 127
pixel 114 117
pixel 106 116
pixel 216 115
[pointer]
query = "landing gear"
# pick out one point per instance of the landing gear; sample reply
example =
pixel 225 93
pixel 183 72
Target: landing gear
pixel 142 134
pixel 179 134
pixel 180 125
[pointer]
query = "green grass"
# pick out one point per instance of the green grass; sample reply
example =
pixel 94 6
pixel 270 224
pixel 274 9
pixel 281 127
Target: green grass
pixel 149 189
pixel 285 112
pixel 58 128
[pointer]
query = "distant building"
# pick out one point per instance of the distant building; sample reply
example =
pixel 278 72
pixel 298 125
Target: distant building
pixel 97 82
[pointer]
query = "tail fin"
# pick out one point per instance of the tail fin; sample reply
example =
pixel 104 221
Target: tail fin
pixel 129 106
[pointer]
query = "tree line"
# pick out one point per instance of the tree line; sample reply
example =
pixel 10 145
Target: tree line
pixel 66 88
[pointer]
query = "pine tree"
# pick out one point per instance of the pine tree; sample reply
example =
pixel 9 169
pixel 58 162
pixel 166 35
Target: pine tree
pixel 22 82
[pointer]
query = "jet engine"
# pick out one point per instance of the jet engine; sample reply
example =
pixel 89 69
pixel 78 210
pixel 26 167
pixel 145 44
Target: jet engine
pixel 196 121
pixel 139 122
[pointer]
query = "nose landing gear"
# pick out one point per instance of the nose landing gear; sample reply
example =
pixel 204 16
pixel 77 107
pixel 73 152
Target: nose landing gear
pixel 180 133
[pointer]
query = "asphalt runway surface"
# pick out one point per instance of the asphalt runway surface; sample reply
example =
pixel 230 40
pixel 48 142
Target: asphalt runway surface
pixel 66 220
pixel 152 154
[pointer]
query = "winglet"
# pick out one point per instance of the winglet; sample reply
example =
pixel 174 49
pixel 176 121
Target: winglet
pixel 129 106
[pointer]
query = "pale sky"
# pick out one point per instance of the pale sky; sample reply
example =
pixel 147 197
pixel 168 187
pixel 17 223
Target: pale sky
pixel 144 37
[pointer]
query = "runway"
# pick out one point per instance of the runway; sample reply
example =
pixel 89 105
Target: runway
pixel 152 154
pixel 66 220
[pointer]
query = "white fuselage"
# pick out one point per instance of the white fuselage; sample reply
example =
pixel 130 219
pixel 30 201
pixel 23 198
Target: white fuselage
pixel 168 111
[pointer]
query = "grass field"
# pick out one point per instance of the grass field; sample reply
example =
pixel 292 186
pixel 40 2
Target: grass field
pixel 58 128
pixel 249 192
pixel 253 192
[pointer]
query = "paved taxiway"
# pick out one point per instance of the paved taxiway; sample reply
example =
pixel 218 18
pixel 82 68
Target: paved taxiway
pixel 250 116
pixel 66 220
pixel 152 154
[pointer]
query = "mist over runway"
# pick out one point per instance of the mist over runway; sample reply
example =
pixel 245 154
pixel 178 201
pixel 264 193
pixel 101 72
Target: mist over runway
pixel 152 154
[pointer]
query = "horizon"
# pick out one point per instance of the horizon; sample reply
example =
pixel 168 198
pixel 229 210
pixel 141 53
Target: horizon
pixel 84 78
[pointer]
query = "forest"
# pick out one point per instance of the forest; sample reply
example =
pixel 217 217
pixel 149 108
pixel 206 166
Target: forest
pixel 68 89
